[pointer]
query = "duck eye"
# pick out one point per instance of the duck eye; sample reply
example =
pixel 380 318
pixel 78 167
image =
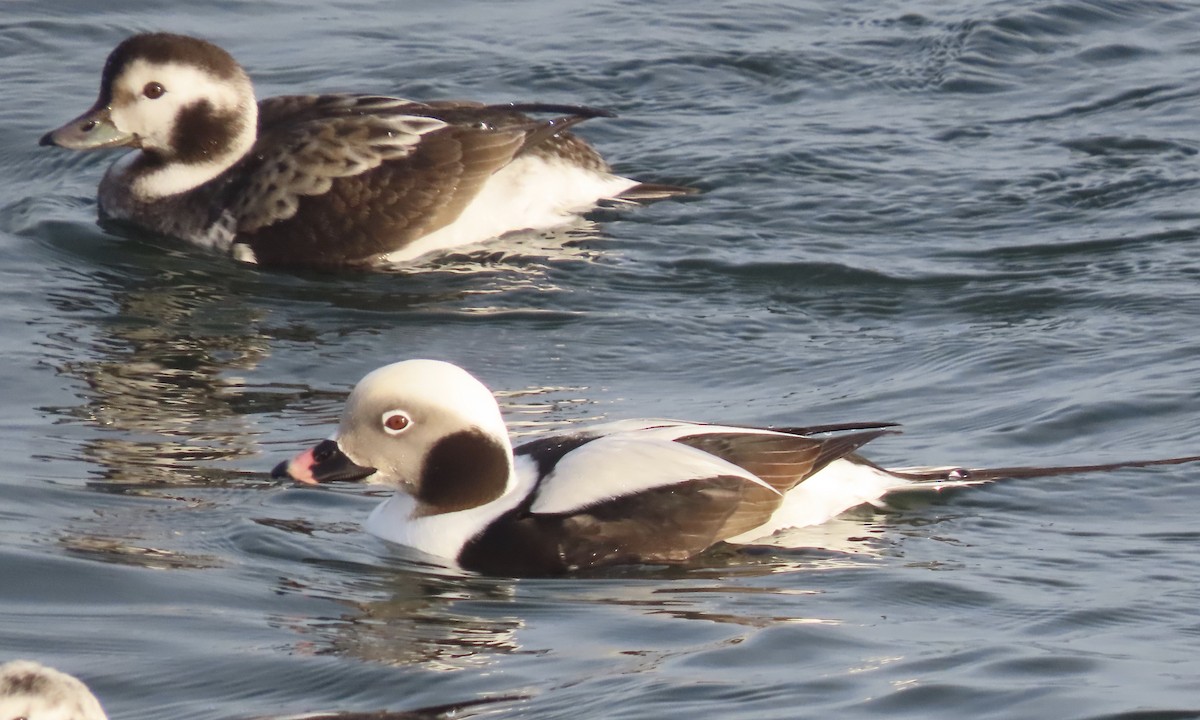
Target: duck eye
pixel 395 422
pixel 153 90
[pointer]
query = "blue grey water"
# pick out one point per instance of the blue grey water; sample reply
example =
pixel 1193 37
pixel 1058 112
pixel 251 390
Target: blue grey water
pixel 975 218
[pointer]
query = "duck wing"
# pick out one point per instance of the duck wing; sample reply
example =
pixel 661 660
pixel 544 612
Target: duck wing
pixel 374 173
pixel 658 494
pixel 782 459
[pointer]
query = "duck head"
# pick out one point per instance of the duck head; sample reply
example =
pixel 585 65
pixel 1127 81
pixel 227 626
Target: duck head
pixel 184 102
pixel 425 427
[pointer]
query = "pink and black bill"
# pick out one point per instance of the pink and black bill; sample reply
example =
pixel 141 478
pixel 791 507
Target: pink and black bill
pixel 324 463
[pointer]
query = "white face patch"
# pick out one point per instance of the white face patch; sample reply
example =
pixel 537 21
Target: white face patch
pixel 153 120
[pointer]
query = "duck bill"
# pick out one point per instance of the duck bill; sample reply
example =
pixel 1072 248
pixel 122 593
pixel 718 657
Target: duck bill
pixel 90 131
pixel 324 463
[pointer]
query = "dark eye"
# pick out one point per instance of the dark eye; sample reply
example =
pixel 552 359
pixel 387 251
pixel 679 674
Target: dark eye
pixel 395 421
pixel 153 90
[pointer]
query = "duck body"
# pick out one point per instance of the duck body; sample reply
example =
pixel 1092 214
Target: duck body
pixel 631 491
pixel 635 491
pixel 327 180
pixel 641 492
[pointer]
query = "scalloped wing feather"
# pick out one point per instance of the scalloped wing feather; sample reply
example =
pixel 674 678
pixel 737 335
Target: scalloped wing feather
pixel 318 152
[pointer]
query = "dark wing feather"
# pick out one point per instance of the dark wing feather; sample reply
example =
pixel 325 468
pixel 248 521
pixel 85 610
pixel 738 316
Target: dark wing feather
pixel 546 452
pixel 544 138
pixel 551 139
pixel 663 524
pixel 837 427
pixel 666 524
pixel 781 460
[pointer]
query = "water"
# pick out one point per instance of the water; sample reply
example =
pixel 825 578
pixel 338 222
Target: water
pixel 977 219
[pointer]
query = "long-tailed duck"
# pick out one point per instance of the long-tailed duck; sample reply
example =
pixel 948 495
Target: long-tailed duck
pixel 327 180
pixel 32 691
pixel 632 491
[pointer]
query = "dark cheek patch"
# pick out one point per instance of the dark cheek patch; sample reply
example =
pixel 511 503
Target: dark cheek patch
pixel 200 131
pixel 463 470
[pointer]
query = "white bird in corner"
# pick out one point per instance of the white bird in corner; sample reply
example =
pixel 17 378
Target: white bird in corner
pixel 32 691
pixel 634 491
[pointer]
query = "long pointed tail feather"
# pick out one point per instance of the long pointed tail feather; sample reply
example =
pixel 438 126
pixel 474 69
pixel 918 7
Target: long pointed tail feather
pixel 583 111
pixel 933 478
pixel 643 192
pixel 835 427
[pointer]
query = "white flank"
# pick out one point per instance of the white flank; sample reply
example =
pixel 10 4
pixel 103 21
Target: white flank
pixel 243 253
pixel 839 486
pixel 531 193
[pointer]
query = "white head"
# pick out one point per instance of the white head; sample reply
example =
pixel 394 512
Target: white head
pixel 35 692
pixel 185 102
pixel 425 427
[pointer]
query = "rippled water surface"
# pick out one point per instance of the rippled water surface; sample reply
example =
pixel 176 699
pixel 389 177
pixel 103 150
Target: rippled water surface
pixel 978 219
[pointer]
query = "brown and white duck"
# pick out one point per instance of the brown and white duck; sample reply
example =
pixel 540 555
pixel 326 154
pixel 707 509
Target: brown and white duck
pixel 327 180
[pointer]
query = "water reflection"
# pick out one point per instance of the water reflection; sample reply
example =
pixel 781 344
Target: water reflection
pixel 126 551
pixel 161 381
pixel 410 613
pixel 155 357
pixel 465 709
pixel 407 610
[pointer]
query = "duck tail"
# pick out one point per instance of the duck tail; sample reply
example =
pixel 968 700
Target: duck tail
pixel 938 478
pixel 644 192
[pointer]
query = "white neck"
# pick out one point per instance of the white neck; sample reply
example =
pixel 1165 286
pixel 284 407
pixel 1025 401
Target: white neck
pixel 398 519
pixel 174 178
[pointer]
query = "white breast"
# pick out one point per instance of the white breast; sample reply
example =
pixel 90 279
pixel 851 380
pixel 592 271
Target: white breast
pixel 444 534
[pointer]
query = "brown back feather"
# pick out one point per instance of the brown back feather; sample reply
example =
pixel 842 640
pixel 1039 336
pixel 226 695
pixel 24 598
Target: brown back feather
pixel 781 460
